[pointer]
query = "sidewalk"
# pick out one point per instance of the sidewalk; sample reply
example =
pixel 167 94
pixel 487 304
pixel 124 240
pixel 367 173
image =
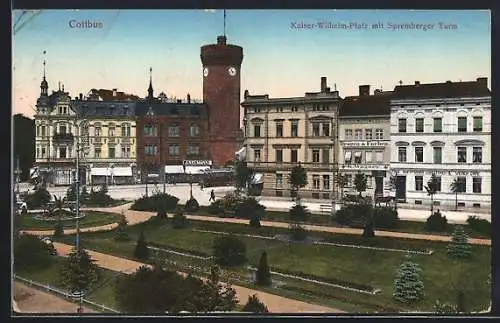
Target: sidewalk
pixel 275 303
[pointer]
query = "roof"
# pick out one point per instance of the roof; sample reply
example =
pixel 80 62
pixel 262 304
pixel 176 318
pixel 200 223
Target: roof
pixel 144 108
pixel 365 105
pixel 99 109
pixel 441 90
pixel 107 95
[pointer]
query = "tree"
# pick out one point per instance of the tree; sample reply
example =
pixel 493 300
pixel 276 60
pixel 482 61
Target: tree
pixel 342 181
pixel 408 285
pixel 459 246
pixel 298 213
pixel 141 249
pixel 79 271
pixel 39 198
pixel 254 305
pixel 228 250
pixel 432 188
pixel 242 175
pixel 71 193
pixel 360 183
pixel 298 179
pixel 454 189
pixel 263 276
pixel 218 296
pixel 24 144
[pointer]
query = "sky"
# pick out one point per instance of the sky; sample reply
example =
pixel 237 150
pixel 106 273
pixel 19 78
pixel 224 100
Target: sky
pixel 280 58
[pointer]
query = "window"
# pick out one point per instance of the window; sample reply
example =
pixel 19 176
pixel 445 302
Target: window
pixel 419 183
pixel 256 153
pixel 316 182
pixel 295 109
pixel 326 156
pixel 279 129
pixel 379 134
pixel 279 180
pixel 293 155
pixel 62 152
pixel 315 127
pixel 368 134
pixel 126 130
pixel 438 155
pixel 462 124
pixel 97 152
pixel 193 149
pixel 325 127
pixel 256 130
pixel 358 134
pixel 461 184
pixel 438 125
pixel 150 130
pixel 438 183
pixel 401 125
pixel 326 182
pixel 402 154
pixel 379 156
pixel 111 152
pixel 295 128
pixel 478 124
pixel 126 152
pixel 279 155
pixel 98 131
pixel 37 152
pixel 476 184
pixel 173 131
pixel 419 154
pixel 357 157
pixel 279 109
pixel 477 155
pixel 62 129
pixel 419 125
pixel 151 150
pixel 348 134
pixel 173 150
pixel 43 131
pixel 257 109
pixel 315 155
pixel 462 154
pixel 194 131
pixel 43 152
pixel 347 157
pixel 368 156
pixel 111 131
pixel 38 131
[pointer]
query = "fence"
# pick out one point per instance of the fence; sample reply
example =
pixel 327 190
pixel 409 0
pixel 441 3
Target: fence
pixel 64 294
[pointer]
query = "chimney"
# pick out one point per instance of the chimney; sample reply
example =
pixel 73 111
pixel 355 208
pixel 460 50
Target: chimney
pixel 114 92
pixel 81 96
pixel 417 82
pixel 221 40
pixel 189 98
pixel 323 84
pixel 364 90
pixel 482 81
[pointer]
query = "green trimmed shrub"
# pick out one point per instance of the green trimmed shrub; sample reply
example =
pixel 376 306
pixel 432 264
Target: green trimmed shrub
pixel 385 217
pixel 215 208
pixel 479 225
pixel 254 305
pixel 459 246
pixel 179 221
pixel 38 198
pixel 249 208
pixel 155 203
pixel 408 285
pixel 191 205
pixel 436 222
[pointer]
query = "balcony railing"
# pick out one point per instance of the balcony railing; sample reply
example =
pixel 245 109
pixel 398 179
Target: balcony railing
pixel 62 136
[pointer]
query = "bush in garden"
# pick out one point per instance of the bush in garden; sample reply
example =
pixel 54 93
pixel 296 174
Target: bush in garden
pixel 385 217
pixel 459 246
pixel 368 231
pixel 263 275
pixel 179 221
pixel 249 208
pixel 408 285
pixel 229 251
pixel 299 213
pixel 156 203
pixel 215 208
pixel 141 249
pixel 254 305
pixel 482 226
pixel 231 201
pixel 38 198
pixel 353 215
pixel 58 229
pixel 436 222
pixel 162 215
pixel 99 197
pixel 191 205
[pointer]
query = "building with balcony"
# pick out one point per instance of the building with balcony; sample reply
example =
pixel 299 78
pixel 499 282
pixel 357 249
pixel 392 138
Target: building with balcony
pixel 442 129
pixel 364 136
pixel 283 132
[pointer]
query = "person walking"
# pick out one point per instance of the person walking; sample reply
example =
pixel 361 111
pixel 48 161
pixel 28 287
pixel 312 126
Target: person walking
pixel 212 196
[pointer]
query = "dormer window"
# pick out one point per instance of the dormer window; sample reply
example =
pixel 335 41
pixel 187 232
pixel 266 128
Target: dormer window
pixel 150 112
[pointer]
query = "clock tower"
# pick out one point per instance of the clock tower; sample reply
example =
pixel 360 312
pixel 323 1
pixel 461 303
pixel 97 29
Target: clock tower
pixel 221 92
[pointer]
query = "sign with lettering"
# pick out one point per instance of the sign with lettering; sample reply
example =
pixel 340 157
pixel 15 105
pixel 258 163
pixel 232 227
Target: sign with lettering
pixel 197 163
pixel 364 143
pixel 366 166
pixel 438 172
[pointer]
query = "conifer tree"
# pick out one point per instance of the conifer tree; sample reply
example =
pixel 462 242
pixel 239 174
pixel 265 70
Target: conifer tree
pixel 254 305
pixel 141 249
pixel 263 274
pixel 459 246
pixel 408 285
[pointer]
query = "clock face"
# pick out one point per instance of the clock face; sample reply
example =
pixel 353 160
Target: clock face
pixel 231 71
pixel 205 71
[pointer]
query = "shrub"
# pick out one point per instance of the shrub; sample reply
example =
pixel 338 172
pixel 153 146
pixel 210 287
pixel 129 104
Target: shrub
pixel 231 201
pixel 156 203
pixel 215 208
pixel 436 222
pixel 31 252
pixel 263 275
pixel 58 229
pixel 255 222
pixel 368 231
pixel 99 197
pixel 249 208
pixel 179 221
pixel 191 205
pixel 385 217
pixel 459 246
pixel 229 251
pixel 299 213
pixel 162 215
pixel 482 226
pixel 121 235
pixel 254 305
pixel 298 233
pixel 141 249
pixel 38 198
pixel 353 215
pixel 408 285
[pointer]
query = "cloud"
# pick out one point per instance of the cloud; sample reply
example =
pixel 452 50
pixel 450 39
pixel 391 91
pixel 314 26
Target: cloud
pixel 210 10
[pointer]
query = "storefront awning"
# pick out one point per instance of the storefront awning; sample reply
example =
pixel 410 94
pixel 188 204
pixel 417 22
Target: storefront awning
pixel 257 178
pixel 100 171
pixel 174 169
pixel 122 171
pixel 196 169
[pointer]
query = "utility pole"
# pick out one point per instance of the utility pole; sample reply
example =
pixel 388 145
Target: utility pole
pixel 17 172
pixel 77 182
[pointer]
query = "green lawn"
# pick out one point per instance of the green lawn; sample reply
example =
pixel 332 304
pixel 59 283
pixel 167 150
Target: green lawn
pixel 102 291
pixel 112 204
pixel 92 219
pixel 441 274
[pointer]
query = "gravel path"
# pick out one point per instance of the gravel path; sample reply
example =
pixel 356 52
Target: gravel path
pixel 274 303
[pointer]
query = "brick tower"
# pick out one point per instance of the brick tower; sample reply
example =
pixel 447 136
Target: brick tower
pixel 221 92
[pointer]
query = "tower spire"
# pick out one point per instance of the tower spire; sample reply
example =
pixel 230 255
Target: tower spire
pixel 44 86
pixel 224 22
pixel 150 89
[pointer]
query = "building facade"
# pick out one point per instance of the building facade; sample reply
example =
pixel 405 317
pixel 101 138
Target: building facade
pixel 364 136
pixel 284 132
pixel 442 129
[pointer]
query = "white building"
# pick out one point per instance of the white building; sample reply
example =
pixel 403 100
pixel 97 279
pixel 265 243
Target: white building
pixel 442 129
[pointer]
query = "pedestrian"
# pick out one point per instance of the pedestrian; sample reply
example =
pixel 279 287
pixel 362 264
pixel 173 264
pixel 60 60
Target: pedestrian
pixel 212 196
